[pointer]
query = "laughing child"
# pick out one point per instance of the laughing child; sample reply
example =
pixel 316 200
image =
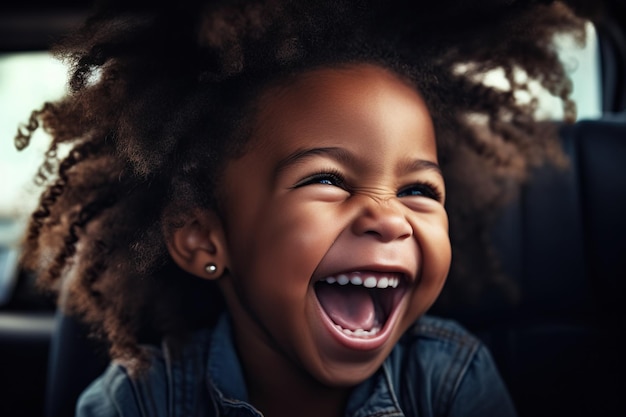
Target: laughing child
pixel 253 203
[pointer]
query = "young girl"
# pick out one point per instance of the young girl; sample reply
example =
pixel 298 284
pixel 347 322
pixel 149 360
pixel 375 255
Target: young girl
pixel 253 209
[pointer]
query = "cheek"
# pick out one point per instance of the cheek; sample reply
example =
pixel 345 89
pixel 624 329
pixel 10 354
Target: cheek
pixel 434 239
pixel 288 239
pixel 434 243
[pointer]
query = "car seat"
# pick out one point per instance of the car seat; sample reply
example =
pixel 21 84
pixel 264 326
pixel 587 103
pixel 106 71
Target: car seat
pixel 75 360
pixel 563 243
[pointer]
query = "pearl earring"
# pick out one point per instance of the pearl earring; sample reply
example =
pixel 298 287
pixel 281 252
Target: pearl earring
pixel 210 268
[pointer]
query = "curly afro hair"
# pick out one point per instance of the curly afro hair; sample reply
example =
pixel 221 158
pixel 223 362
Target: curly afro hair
pixel 162 97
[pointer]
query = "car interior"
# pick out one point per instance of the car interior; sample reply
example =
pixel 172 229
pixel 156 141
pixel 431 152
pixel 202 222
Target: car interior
pixel 563 241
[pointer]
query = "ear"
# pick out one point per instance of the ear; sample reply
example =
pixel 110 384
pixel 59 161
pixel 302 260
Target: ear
pixel 199 245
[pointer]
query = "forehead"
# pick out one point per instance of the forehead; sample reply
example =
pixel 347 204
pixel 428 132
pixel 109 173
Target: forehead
pixel 325 101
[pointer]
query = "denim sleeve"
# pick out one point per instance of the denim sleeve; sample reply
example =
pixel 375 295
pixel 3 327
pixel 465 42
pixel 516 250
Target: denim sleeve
pixel 481 391
pixel 111 395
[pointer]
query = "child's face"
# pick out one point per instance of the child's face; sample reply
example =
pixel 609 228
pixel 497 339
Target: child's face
pixel 339 183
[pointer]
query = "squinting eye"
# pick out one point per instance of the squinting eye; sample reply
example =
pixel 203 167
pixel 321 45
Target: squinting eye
pixel 323 178
pixel 421 190
pixel 325 181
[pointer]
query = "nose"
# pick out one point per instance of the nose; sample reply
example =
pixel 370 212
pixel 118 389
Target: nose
pixel 384 221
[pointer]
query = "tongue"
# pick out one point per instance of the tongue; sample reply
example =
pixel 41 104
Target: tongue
pixel 349 306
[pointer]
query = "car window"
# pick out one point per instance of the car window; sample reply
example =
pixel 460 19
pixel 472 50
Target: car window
pixel 582 63
pixel 27 79
pixel 583 66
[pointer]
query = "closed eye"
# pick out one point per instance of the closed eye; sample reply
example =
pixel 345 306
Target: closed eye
pixel 424 189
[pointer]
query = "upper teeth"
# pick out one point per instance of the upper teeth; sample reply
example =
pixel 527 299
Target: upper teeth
pixel 368 281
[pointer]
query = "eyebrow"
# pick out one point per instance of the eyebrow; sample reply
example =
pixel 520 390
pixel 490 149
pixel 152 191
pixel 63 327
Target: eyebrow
pixel 413 165
pixel 301 155
pixel 343 156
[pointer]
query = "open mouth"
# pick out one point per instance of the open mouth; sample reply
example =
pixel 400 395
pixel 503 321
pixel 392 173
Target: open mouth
pixel 359 304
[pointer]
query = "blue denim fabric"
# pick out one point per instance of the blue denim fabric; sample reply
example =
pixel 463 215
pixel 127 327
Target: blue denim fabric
pixel 436 369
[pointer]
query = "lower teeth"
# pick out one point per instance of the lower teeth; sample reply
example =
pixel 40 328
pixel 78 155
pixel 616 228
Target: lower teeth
pixel 359 332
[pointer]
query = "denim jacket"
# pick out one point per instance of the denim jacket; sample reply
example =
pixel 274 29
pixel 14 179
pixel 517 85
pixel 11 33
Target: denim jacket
pixel 436 369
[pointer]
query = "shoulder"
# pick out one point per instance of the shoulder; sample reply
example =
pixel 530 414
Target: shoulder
pixel 441 348
pixel 441 340
pixel 164 388
pixel 117 393
pixel 441 331
pixel 454 369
